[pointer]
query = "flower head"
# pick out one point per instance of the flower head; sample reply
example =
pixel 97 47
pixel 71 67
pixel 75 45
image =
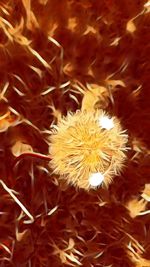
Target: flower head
pixel 88 148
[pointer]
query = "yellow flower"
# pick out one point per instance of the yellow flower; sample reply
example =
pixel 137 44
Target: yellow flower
pixel 88 148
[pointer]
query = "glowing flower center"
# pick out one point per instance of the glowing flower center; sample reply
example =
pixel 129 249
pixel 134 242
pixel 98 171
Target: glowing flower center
pixel 81 151
pixel 96 179
pixel 106 122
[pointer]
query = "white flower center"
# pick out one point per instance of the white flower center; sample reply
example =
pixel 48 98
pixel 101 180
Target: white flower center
pixel 106 122
pixel 96 179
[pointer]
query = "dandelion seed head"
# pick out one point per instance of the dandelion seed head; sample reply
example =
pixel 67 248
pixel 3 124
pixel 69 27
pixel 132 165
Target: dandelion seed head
pixel 81 148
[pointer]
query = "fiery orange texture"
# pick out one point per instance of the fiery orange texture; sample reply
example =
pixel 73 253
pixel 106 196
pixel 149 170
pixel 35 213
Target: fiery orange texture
pixel 57 57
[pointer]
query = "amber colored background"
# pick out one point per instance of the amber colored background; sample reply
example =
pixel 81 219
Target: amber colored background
pixel 55 44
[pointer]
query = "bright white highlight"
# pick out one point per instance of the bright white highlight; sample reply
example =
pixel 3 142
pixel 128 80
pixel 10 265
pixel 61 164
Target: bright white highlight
pixel 106 122
pixel 96 179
